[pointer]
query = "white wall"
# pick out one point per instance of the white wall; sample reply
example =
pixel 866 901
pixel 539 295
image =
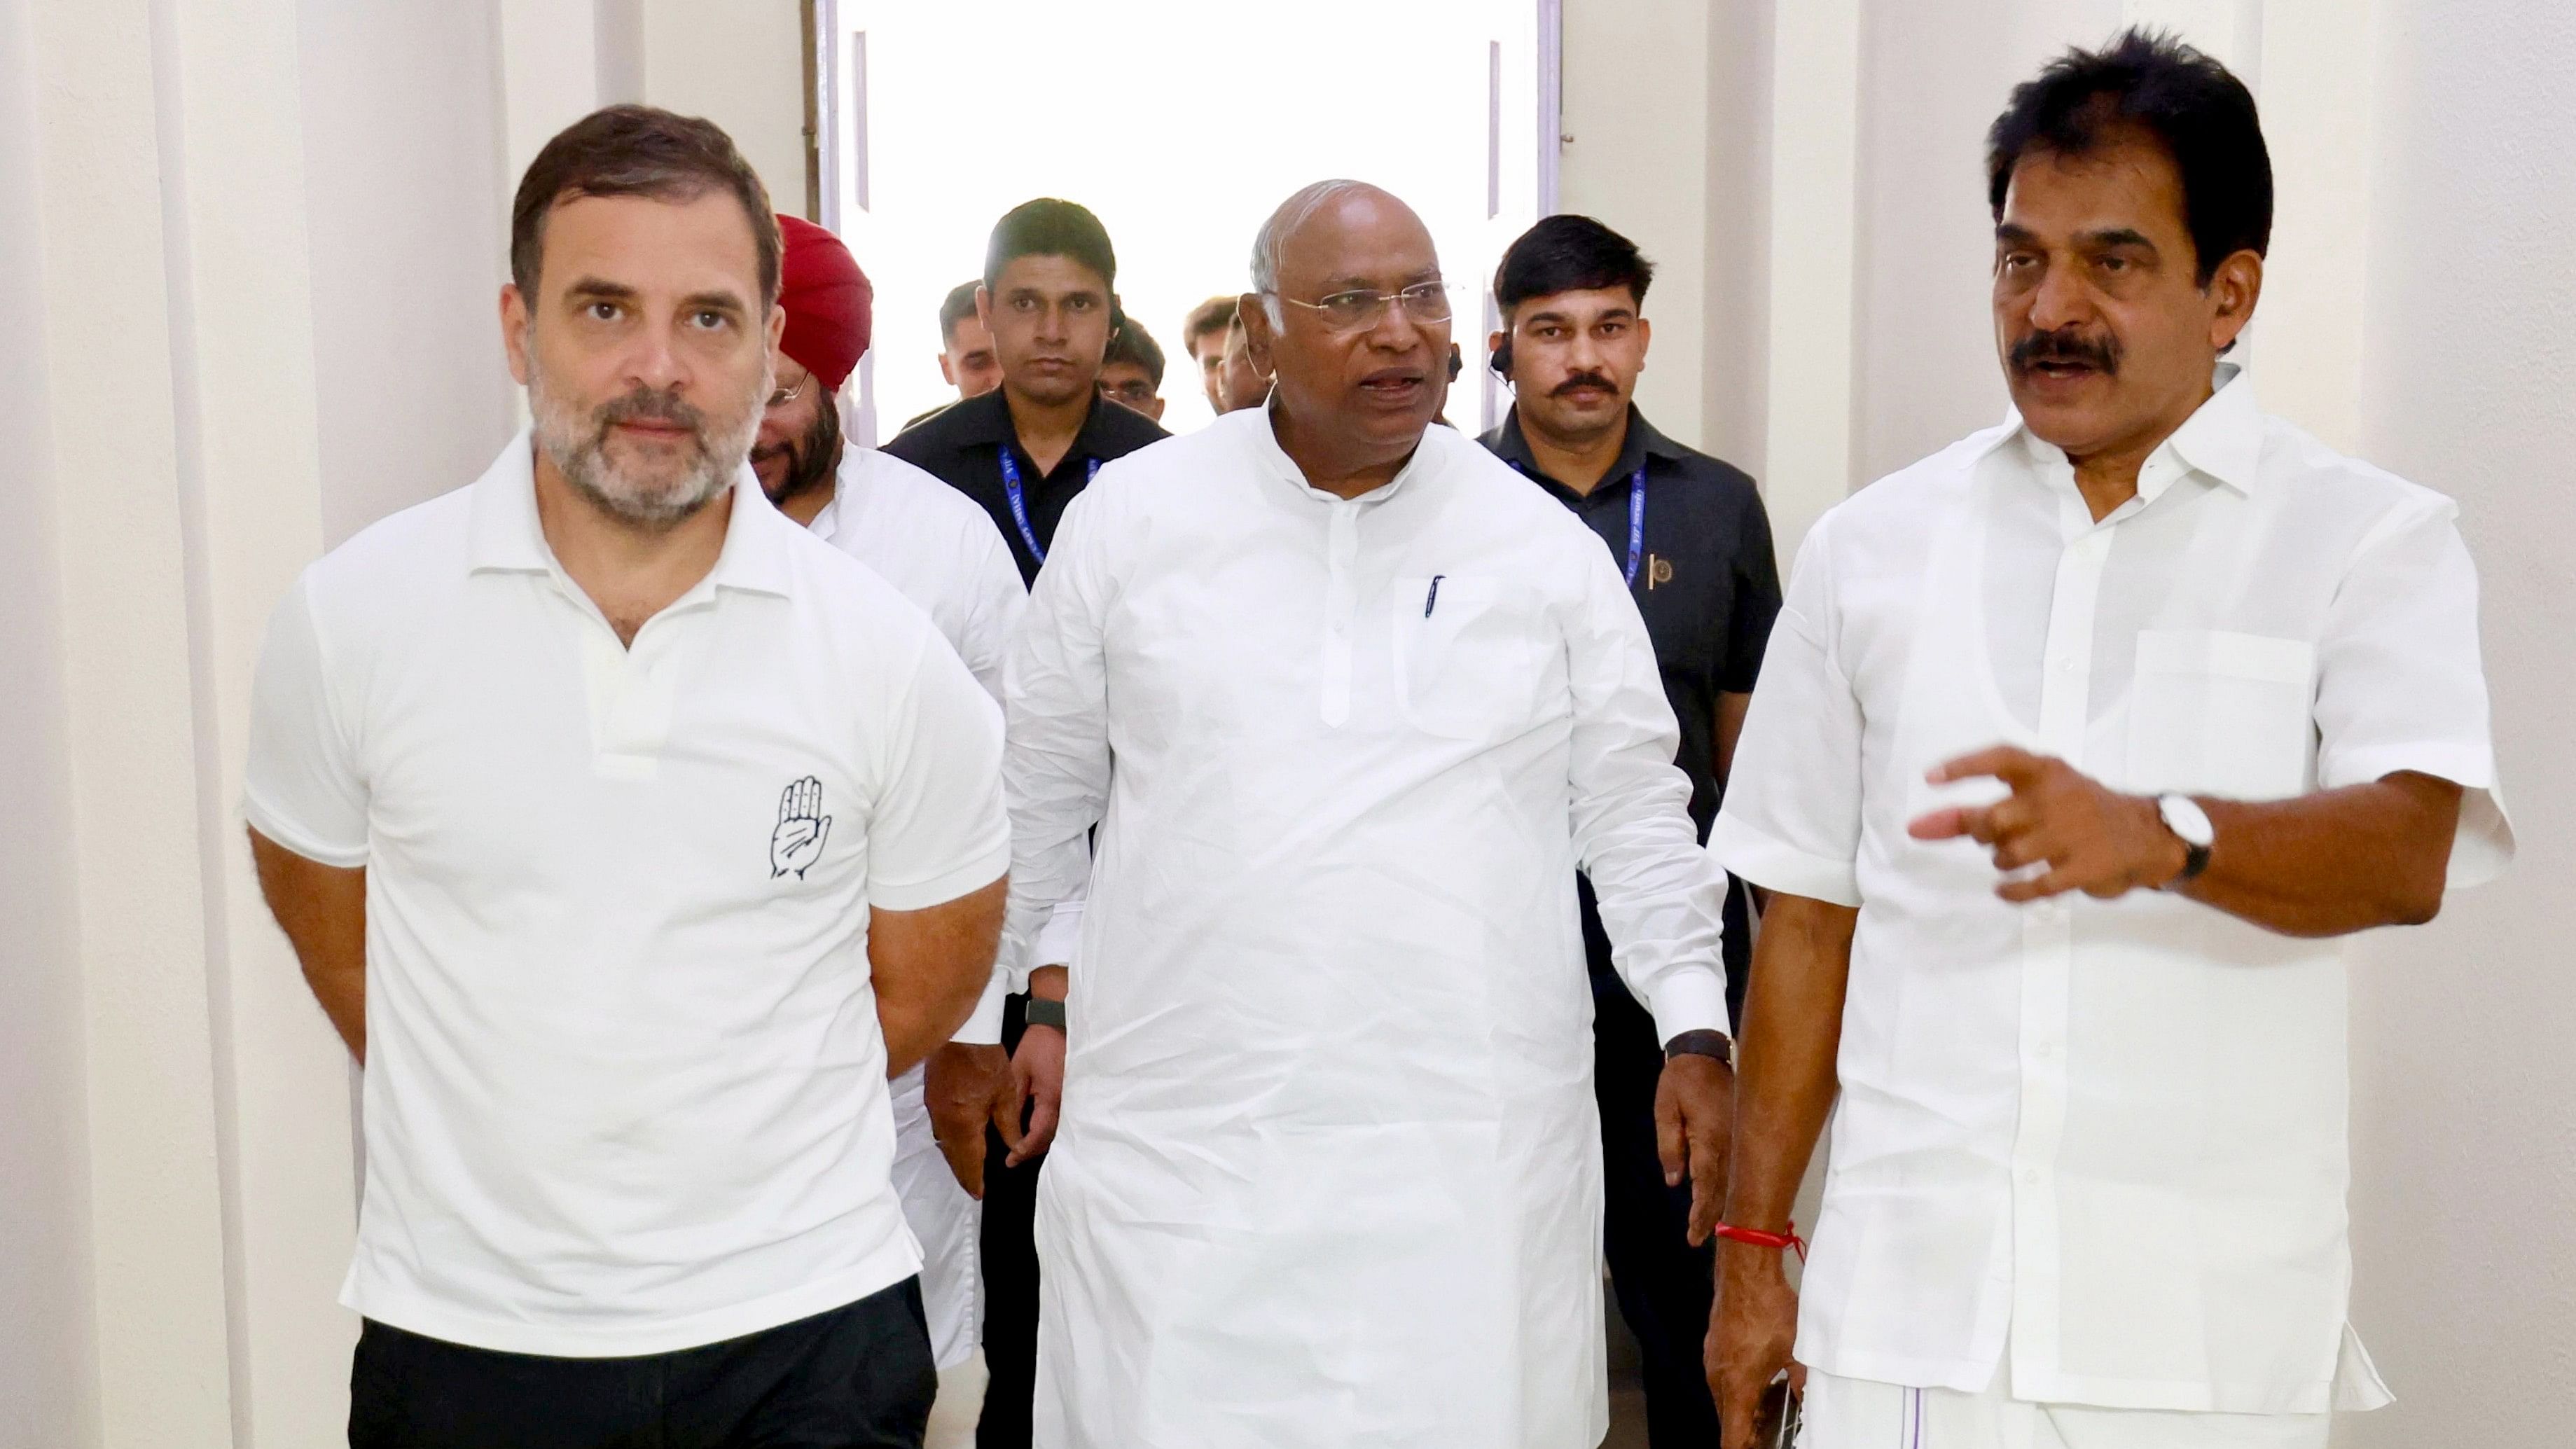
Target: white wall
pixel 48 1378
pixel 2464 1116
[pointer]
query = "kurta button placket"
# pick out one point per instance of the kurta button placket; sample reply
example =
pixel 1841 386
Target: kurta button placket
pixel 1340 602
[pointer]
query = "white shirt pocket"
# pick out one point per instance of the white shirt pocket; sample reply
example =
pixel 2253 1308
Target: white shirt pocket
pixel 1466 655
pixel 2213 712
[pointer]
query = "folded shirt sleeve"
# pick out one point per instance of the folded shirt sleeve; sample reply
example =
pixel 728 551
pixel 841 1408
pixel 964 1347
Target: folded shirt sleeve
pixel 2400 685
pixel 1792 818
pixel 302 786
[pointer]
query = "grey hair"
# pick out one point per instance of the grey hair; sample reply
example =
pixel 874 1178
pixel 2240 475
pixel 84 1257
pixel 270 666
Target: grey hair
pixel 1283 223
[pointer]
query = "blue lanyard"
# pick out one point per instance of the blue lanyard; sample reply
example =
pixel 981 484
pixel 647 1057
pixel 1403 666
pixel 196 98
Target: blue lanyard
pixel 1636 519
pixel 1090 474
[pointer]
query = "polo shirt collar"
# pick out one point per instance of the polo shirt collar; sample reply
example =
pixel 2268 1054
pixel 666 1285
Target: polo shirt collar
pixel 2222 438
pixel 503 533
pixel 1643 442
pixel 986 418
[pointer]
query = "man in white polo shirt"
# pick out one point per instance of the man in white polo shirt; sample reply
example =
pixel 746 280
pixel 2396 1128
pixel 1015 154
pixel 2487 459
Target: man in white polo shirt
pixel 2077 745
pixel 630 836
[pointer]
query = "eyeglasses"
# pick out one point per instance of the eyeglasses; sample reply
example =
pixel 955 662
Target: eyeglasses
pixel 786 395
pixel 1350 311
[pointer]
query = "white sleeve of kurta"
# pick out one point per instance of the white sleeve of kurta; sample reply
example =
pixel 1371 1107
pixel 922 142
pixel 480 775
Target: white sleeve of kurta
pixel 1662 898
pixel 1056 769
pixel 1792 818
pixel 2399 682
pixel 302 788
pixel 1001 601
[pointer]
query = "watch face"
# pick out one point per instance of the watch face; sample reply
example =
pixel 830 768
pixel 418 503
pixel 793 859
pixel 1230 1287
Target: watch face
pixel 2184 817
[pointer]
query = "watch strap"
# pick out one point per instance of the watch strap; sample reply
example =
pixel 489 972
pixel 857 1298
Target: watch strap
pixel 1703 1042
pixel 1042 1012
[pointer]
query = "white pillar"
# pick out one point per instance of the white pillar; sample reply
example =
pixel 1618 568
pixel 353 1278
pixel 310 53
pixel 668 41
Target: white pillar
pixel 1815 152
pixel 250 499
pixel 137 856
pixel 2319 121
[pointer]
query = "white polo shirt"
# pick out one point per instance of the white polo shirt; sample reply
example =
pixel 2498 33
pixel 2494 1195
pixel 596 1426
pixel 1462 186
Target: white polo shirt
pixel 2104 1140
pixel 625 1088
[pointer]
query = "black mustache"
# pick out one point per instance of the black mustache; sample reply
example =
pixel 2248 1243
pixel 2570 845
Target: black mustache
pixel 2066 345
pixel 1582 379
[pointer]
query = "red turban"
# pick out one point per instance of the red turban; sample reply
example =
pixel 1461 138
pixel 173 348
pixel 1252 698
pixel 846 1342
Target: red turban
pixel 827 300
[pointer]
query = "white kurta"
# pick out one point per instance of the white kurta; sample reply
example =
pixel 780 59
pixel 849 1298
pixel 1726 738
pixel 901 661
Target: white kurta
pixel 2098 1145
pixel 941 551
pixel 1328 1170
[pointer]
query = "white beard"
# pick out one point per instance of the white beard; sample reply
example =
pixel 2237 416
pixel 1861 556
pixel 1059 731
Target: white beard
pixel 578 446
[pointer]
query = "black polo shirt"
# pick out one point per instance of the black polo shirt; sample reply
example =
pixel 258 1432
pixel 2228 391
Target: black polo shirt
pixel 963 442
pixel 1706 583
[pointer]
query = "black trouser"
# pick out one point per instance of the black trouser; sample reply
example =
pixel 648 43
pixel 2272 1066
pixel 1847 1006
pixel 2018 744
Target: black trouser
pixel 1664 1286
pixel 858 1377
pixel 1010 1256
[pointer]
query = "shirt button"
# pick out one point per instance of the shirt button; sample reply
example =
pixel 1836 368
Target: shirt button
pixel 2030 1177
pixel 2044 1051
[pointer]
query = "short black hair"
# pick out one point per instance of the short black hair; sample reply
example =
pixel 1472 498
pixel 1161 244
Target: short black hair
pixel 1569 253
pixel 1131 343
pixel 2194 107
pixel 1048 227
pixel 954 308
pixel 1207 319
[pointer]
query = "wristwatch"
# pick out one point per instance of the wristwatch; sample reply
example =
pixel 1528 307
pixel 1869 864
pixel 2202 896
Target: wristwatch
pixel 1702 1043
pixel 1043 1012
pixel 2190 824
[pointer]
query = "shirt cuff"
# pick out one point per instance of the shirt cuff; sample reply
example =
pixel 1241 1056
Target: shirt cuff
pixel 1060 939
pixel 1690 998
pixel 2483 844
pixel 1776 866
pixel 984 1028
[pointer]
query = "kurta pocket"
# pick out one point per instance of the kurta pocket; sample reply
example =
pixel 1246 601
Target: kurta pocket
pixel 2220 713
pixel 1466 655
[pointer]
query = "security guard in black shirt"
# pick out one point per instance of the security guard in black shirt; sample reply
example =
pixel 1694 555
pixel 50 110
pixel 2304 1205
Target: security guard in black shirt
pixel 1024 451
pixel 1692 537
pixel 1027 448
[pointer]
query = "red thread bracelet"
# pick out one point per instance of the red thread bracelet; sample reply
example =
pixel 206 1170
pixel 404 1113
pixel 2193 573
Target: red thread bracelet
pixel 1761 1239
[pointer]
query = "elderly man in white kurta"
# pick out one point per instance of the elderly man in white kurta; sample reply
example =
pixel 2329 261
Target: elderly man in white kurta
pixel 1348 701
pixel 2088 1165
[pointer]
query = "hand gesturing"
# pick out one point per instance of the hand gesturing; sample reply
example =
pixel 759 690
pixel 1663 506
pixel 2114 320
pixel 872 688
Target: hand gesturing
pixel 798 841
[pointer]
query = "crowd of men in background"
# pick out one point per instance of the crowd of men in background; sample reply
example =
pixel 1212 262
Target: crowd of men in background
pixel 1239 924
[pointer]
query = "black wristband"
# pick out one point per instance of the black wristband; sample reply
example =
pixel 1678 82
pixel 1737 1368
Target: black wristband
pixel 1042 1012
pixel 1702 1043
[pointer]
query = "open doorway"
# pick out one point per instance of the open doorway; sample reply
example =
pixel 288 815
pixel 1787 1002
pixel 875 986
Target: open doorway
pixel 1181 124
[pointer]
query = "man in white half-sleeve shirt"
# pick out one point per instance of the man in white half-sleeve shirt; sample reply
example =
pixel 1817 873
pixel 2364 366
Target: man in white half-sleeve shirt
pixel 1349 702
pixel 2078 746
pixel 630 836
pixel 932 543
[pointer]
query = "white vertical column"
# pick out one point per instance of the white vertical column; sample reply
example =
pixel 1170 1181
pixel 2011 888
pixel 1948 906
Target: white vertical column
pixel 250 500
pixel 1635 101
pixel 1815 163
pixel 135 851
pixel 550 71
pixel 2320 112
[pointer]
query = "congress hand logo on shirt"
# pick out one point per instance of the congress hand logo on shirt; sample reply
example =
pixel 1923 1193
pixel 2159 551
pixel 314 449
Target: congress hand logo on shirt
pixel 798 841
